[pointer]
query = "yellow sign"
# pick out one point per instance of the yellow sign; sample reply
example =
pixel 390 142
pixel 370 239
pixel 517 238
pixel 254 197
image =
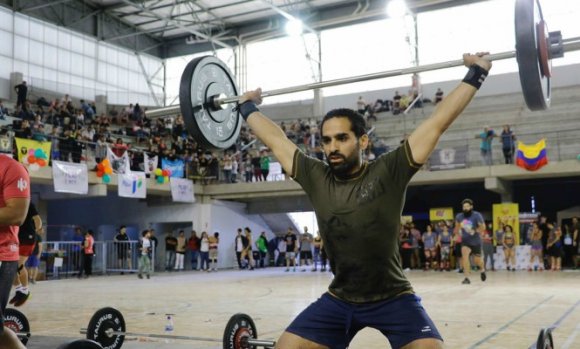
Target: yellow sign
pixel 507 214
pixel 441 214
pixel 406 219
pixel 32 152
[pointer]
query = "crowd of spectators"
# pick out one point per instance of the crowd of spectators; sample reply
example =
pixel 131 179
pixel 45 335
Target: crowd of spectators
pixel 557 245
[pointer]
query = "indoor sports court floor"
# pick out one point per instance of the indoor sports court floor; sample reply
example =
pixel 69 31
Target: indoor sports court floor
pixel 507 311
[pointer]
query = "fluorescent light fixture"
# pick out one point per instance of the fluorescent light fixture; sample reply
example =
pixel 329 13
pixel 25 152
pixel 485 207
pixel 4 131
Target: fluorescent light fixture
pixel 294 27
pixel 397 9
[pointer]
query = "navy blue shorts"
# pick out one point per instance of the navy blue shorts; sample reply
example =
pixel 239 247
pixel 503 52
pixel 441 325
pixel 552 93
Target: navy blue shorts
pixel 332 322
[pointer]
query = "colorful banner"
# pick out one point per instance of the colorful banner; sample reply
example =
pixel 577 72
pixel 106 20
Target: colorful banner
pixel 150 163
pixel 33 153
pixel 69 177
pixel 448 158
pixel 507 214
pixel 177 167
pixel 120 164
pixel 182 190
pixel 532 157
pixel 132 185
pixel 441 214
pixel 5 144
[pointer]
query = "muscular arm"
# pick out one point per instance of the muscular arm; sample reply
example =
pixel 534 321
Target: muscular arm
pixel 37 223
pixel 425 137
pixel 270 134
pixel 14 213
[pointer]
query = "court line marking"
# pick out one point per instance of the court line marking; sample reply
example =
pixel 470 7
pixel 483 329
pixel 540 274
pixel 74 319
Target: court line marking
pixel 559 321
pixel 507 324
pixel 571 338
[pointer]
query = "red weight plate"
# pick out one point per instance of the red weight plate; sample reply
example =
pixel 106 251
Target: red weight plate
pixel 545 62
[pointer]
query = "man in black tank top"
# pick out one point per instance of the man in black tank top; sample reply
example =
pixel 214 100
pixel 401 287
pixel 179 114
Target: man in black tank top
pixel 358 206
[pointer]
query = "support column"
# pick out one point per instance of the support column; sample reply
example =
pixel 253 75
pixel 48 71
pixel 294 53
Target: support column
pixel 500 186
pixel 318 105
pixel 101 104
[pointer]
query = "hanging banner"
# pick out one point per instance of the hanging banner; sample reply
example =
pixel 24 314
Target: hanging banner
pixel 441 214
pixel 120 164
pixel 132 185
pixel 507 214
pixel 69 177
pixel 150 163
pixel 182 190
pixel 448 158
pixel 33 153
pixel 175 166
pixel 5 144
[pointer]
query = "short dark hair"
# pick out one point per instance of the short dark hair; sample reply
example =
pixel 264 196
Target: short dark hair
pixel 467 201
pixel 357 121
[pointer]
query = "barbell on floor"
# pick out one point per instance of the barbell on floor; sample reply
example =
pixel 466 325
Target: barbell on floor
pixel 208 88
pixel 107 327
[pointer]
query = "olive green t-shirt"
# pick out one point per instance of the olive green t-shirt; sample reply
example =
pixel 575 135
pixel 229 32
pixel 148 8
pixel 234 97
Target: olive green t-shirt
pixel 359 221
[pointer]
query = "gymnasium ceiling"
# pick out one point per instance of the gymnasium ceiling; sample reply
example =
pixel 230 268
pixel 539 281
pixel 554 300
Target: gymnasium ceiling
pixel 169 28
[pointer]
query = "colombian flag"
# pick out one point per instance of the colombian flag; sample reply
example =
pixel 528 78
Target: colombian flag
pixel 532 157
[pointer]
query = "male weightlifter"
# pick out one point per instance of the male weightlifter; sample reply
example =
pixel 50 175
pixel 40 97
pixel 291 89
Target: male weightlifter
pixel 358 206
pixel 14 200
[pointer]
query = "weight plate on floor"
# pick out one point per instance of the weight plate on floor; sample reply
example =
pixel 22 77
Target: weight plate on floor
pixel 545 340
pixel 81 344
pixel 238 330
pixel 535 85
pixel 17 322
pixel 103 321
pixel 204 79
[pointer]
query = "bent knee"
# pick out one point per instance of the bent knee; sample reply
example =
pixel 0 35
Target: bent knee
pixel 290 340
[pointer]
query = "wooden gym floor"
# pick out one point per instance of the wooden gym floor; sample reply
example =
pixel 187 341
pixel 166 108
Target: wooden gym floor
pixel 507 311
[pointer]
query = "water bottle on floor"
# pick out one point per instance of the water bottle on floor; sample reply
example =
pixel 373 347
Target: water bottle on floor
pixel 169 327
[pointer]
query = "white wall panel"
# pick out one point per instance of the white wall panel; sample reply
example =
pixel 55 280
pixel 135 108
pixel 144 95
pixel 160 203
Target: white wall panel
pixel 35 72
pixel 123 78
pixel 36 52
pixel 6 19
pixel 50 35
pixel 6 40
pixel 21 25
pixel 123 59
pixel 22 67
pixel 77 44
pixel 5 67
pixel 63 39
pixel 36 30
pixel 50 74
pixel 101 71
pixel 112 55
pixel 77 64
pixel 89 68
pixel 21 48
pixel 50 56
pixel 63 61
pixel 111 75
pixel 89 47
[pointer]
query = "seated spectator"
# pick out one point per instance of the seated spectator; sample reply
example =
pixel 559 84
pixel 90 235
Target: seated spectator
pixel 438 96
pixel 396 103
pixel 66 99
pixel 87 110
pixel 119 147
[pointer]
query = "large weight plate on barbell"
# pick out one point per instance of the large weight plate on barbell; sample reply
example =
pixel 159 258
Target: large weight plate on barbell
pixel 17 322
pixel 202 79
pixel 545 340
pixel 81 344
pixel 107 319
pixel 238 330
pixel 532 54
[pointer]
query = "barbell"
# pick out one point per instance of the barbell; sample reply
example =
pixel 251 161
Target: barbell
pixel 208 91
pixel 107 327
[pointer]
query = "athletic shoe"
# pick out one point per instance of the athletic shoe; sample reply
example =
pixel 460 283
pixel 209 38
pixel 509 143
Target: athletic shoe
pixel 140 276
pixel 313 269
pixel 509 268
pixel 466 281
pixel 148 277
pixel 483 276
pixel 287 270
pixel 19 298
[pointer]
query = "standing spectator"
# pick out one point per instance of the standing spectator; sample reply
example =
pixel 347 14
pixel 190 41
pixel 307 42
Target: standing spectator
pixel 305 249
pixel 248 169
pixel 317 243
pixel 154 244
pixel 575 236
pixel 247 251
pixel 397 103
pixel 509 247
pixel 21 95
pixel 418 247
pixel 193 246
pixel 239 243
pixel 180 251
pixel 213 250
pixel 227 168
pixel 256 165
pixel 122 243
pixel 145 255
pixel 546 228
pixel 444 240
pixel 430 248
pixel 265 164
pixel 536 248
pixel 508 144
pixel 406 241
pixel 77 250
pixel 281 251
pixel 235 169
pixel 291 249
pixel 27 239
pixel 88 252
pixel 438 95
pixel 204 251
pixel 262 245
pixel 170 245
pixel 34 260
pixel 555 248
pixel 361 105
pixel 485 146
pixel 488 247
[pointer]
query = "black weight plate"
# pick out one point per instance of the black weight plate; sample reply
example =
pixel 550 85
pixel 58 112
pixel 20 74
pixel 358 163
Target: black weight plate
pixel 545 340
pixel 240 327
pixel 535 86
pixel 81 344
pixel 17 322
pixel 105 319
pixel 203 78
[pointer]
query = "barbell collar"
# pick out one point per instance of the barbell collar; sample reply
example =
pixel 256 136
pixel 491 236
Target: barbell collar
pixel 571 44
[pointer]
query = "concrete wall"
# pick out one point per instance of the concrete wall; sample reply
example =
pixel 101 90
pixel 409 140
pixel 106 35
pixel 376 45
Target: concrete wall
pixel 105 215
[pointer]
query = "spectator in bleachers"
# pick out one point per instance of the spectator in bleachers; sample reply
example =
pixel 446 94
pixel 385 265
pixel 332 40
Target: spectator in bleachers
pixel 555 248
pixel 119 148
pixel 438 95
pixel 396 103
pixel 486 138
pixel 87 110
pixel 256 165
pixel 3 111
pixel 508 144
pixel 21 95
pixel 227 167
pixel 65 99
pixel 361 105
pixel 265 164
